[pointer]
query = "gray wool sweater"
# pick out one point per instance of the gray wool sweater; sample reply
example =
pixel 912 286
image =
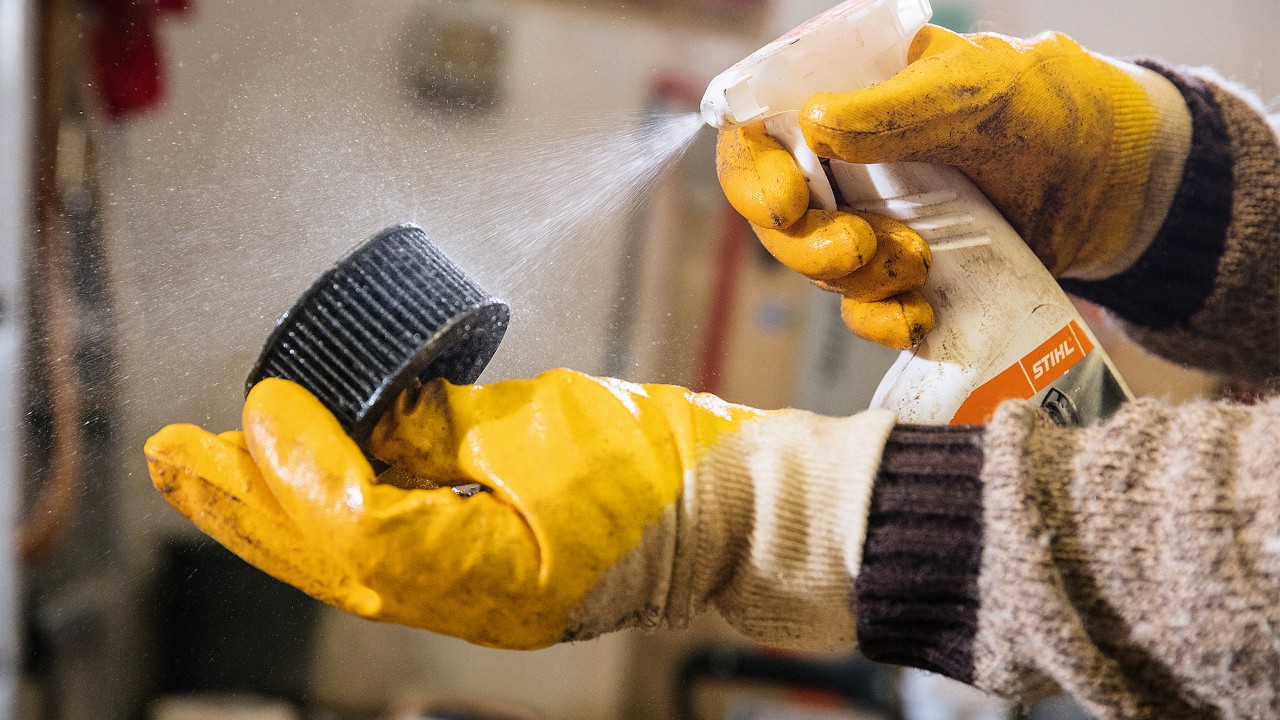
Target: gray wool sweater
pixel 1134 565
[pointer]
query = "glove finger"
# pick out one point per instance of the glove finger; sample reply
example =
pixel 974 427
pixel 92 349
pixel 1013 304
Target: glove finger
pixel 214 482
pixel 900 322
pixel 901 263
pixel 760 178
pixel 926 112
pixel 822 245
pixel 463 566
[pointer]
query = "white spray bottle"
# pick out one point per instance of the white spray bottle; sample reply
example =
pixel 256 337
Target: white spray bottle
pixel 1004 328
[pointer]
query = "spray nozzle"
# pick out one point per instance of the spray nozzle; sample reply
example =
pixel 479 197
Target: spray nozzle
pixel 729 101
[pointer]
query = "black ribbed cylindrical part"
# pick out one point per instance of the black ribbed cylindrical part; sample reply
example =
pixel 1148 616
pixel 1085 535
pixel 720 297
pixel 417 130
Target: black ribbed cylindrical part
pixel 395 309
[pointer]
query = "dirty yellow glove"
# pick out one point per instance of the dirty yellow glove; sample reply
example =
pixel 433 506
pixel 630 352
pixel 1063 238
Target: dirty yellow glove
pixel 1064 142
pixel 1081 153
pixel 605 505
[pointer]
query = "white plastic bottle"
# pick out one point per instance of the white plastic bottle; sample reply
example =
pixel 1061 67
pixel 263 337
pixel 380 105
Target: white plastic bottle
pixel 1004 328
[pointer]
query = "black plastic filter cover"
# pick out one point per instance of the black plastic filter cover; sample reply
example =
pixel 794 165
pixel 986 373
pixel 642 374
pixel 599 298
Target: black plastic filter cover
pixel 395 309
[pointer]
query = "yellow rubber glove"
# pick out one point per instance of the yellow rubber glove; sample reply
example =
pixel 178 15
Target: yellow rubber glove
pixel 1081 153
pixel 606 505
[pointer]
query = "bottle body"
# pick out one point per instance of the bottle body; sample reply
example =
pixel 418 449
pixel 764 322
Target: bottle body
pixel 1005 329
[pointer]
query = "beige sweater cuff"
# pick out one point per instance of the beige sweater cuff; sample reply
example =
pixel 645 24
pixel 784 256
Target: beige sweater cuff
pixel 778 516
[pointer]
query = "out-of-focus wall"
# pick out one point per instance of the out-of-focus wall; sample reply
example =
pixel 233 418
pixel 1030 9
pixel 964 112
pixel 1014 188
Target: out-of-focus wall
pixel 288 137
pixel 17 113
pixel 1237 37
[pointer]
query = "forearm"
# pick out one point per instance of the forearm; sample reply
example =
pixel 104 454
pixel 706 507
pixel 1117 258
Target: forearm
pixel 1205 292
pixel 1134 565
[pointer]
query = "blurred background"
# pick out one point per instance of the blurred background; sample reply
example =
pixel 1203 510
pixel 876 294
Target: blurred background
pixel 174 172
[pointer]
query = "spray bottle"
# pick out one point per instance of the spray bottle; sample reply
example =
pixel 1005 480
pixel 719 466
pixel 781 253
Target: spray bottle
pixel 1005 329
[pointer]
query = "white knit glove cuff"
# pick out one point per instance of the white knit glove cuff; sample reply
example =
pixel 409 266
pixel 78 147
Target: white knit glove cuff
pixel 1172 145
pixel 772 527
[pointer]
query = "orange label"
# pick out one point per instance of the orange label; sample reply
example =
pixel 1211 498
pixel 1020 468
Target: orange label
pixel 1033 373
pixel 1055 356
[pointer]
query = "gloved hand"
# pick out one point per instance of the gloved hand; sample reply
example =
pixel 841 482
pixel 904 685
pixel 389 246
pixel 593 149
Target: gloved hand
pixel 1082 154
pixel 606 505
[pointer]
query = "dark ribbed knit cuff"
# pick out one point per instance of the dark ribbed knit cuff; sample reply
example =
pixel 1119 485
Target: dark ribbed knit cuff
pixel 916 595
pixel 1173 278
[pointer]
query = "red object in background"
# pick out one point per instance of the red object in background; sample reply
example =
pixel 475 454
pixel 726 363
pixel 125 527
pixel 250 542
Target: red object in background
pixel 733 242
pixel 125 53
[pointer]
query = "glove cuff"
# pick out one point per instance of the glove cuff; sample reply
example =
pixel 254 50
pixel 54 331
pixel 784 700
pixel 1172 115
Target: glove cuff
pixel 777 515
pixel 1149 146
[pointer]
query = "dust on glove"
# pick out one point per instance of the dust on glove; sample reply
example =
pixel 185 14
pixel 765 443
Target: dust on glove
pixel 606 505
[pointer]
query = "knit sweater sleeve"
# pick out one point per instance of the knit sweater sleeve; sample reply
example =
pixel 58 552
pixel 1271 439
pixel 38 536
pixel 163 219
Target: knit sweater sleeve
pixel 1207 291
pixel 1134 565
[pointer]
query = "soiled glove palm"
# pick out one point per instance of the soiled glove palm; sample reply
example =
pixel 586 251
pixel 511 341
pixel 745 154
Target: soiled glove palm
pixel 1081 154
pixel 607 504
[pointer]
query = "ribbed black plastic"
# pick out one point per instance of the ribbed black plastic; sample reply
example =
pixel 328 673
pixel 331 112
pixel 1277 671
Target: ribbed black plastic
pixel 396 308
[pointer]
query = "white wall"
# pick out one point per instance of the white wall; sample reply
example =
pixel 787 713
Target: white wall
pixel 1237 37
